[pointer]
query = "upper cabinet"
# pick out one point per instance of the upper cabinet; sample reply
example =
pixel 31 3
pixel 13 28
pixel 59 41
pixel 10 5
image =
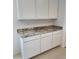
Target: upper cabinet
pixel 42 9
pixel 36 9
pixel 53 7
pixel 26 9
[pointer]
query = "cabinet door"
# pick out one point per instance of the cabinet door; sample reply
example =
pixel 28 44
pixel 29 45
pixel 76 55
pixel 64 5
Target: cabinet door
pixel 31 48
pixel 42 9
pixel 46 43
pixel 26 9
pixel 57 36
pixel 53 6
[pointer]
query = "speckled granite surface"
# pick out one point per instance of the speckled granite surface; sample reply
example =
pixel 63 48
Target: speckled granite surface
pixel 27 32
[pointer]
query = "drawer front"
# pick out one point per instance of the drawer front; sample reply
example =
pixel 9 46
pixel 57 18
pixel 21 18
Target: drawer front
pixel 31 38
pixel 57 32
pixel 46 34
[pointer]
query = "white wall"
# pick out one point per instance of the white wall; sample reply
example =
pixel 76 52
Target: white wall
pixel 62 18
pixel 61 13
pixel 24 24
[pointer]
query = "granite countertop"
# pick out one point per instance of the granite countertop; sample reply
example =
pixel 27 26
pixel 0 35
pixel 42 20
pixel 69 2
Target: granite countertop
pixel 27 32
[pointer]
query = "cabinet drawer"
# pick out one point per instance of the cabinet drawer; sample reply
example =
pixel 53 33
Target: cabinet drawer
pixel 46 34
pixel 57 32
pixel 31 38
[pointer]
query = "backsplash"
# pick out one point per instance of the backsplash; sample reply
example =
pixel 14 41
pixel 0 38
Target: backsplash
pixel 32 23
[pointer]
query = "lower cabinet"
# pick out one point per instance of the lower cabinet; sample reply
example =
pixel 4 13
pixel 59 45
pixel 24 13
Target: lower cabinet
pixel 56 39
pixel 31 48
pixel 46 43
pixel 39 44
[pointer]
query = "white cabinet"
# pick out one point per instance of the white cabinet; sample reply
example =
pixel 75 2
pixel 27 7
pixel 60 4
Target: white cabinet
pixel 37 9
pixel 57 37
pixel 26 9
pixel 31 48
pixel 46 42
pixel 53 8
pixel 42 9
pixel 35 45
